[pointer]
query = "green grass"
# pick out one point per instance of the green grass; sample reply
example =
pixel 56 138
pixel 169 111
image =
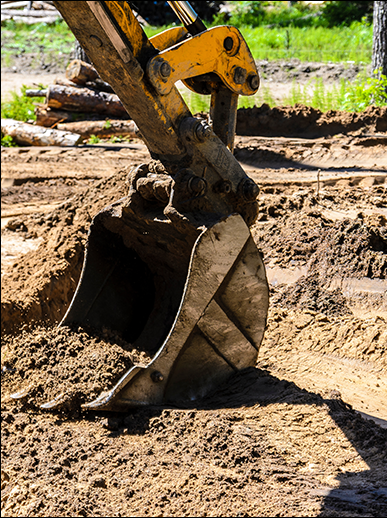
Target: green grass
pixel 311 43
pixel 55 41
pixel 352 43
pixel 351 96
pixel 20 107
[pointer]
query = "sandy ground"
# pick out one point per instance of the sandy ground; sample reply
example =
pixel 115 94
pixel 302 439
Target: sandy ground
pixel 301 434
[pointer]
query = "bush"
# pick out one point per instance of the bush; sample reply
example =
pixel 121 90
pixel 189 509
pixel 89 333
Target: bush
pixel 344 13
pixel 299 14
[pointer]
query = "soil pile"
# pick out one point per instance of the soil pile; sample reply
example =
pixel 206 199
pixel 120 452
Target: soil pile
pixel 46 279
pixel 305 121
pixel 70 366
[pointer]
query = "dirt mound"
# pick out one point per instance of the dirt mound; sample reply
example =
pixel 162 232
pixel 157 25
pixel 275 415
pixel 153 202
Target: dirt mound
pixel 41 285
pixel 351 247
pixel 344 335
pixel 305 121
pixel 71 366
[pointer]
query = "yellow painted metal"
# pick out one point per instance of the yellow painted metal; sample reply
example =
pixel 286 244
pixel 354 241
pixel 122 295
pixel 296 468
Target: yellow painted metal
pixel 168 38
pixel 221 50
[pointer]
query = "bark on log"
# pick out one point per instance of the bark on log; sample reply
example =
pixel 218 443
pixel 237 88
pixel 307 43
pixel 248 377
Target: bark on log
pixel 98 85
pixel 48 117
pixel 105 128
pixel 80 72
pixel 36 93
pixel 30 135
pixel 85 100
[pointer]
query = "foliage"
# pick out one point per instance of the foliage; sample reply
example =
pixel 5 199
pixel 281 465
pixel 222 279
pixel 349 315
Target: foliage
pixel 364 92
pixel 344 13
pixel 93 139
pixel 20 107
pixel 255 14
pixel 7 141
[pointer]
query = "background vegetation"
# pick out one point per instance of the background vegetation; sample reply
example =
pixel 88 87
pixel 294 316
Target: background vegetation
pixel 336 31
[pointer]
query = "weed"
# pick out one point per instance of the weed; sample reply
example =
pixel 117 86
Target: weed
pixel 20 107
pixel 7 141
pixel 93 139
pixel 348 96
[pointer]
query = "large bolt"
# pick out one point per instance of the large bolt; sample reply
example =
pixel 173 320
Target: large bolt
pixel 203 131
pixel 197 185
pixel 250 189
pixel 228 43
pixel 240 75
pixel 253 81
pixel 157 377
pixel 165 69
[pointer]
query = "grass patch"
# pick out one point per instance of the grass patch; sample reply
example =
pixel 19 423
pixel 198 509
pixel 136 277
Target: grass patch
pixel 7 141
pixel 52 41
pixel 351 96
pixel 20 107
pixel 348 96
pixel 311 43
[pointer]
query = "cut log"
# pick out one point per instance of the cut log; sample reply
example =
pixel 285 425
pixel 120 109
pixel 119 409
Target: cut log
pixel 80 72
pixel 98 85
pixel 49 118
pixel 36 93
pixel 85 100
pixel 30 135
pixel 104 129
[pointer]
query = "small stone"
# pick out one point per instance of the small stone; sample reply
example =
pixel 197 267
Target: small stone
pixel 98 482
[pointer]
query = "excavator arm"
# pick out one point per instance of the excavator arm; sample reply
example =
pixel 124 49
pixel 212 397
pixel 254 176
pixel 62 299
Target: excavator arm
pixel 172 267
pixel 143 73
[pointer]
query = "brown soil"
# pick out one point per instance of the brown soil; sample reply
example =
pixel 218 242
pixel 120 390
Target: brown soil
pixel 302 121
pixel 302 434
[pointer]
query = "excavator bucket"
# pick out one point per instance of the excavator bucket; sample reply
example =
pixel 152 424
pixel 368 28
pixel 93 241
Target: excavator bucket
pixel 172 268
pixel 198 304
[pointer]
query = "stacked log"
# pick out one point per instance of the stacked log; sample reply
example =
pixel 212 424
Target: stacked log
pixel 83 103
pixel 74 109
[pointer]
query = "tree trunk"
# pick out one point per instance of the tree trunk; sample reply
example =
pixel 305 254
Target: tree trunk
pixel 104 129
pixel 30 135
pixel 84 100
pixel 379 50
